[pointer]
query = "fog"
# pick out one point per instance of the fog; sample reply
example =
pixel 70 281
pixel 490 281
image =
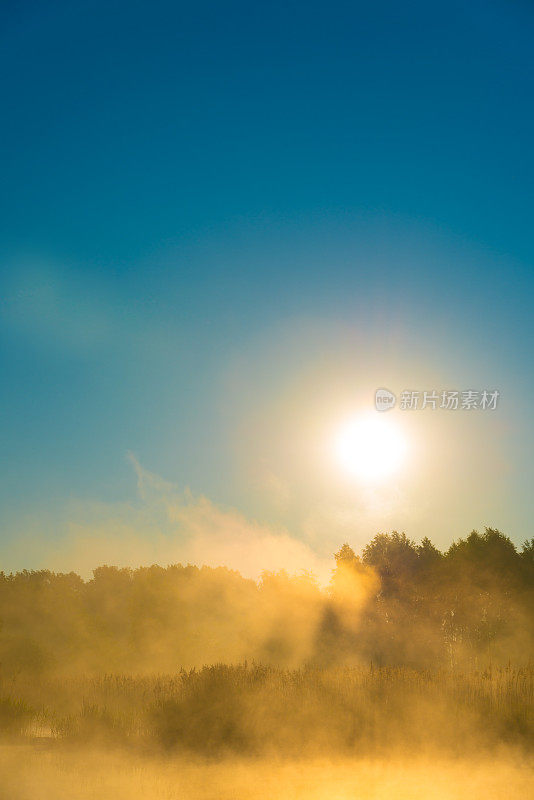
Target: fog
pixel 94 774
pixel 408 675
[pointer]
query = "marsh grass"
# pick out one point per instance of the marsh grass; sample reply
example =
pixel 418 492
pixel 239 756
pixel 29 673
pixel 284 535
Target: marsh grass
pixel 260 710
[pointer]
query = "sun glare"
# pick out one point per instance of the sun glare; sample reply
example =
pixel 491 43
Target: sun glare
pixel 371 447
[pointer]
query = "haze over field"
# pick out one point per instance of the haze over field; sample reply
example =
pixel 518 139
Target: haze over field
pixel 396 678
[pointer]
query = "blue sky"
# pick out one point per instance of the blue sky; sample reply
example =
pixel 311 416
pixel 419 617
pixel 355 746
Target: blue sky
pixel 223 220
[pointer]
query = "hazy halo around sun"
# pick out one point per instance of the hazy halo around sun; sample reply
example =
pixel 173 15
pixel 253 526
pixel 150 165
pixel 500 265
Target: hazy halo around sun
pixel 370 447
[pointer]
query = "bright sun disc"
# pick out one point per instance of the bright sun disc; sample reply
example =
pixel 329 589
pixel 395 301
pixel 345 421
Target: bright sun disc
pixel 371 447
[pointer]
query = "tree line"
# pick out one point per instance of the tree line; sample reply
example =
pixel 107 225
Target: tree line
pixel 398 603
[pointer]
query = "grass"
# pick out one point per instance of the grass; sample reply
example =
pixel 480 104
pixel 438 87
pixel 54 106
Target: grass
pixel 223 710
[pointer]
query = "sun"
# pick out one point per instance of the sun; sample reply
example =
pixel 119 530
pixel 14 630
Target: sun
pixel 371 447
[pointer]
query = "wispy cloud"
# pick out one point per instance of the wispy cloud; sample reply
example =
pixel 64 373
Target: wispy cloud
pixel 166 525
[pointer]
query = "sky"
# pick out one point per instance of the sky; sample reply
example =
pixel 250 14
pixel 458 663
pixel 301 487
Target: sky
pixel 223 226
